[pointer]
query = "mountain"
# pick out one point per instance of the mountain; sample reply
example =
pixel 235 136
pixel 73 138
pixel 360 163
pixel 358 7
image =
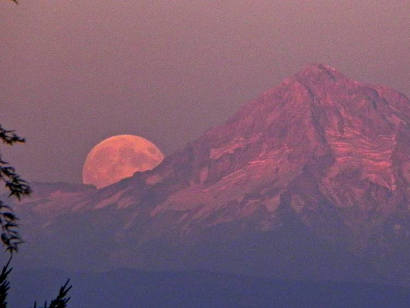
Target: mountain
pixel 309 181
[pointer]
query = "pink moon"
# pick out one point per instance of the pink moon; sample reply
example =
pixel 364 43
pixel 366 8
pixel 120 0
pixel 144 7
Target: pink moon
pixel 119 157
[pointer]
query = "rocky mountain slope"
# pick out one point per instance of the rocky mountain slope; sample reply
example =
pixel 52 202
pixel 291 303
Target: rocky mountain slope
pixel 309 180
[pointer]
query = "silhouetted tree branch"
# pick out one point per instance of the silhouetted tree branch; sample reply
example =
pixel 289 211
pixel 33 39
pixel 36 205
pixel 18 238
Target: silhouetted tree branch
pixel 10 237
pixel 17 187
pixel 4 284
pixel 61 300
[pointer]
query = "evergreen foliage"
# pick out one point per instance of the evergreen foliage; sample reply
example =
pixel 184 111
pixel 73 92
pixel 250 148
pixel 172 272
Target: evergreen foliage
pixel 17 187
pixel 10 236
pixel 61 300
pixel 4 284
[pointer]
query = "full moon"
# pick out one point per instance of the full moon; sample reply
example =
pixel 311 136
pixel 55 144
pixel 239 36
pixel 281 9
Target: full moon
pixel 119 157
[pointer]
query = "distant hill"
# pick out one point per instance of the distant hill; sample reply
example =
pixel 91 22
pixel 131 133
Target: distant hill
pixel 125 288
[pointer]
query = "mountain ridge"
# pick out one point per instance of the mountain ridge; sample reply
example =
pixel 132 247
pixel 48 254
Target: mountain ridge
pixel 319 159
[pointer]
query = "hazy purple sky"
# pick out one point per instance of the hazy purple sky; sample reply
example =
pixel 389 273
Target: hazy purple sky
pixel 76 72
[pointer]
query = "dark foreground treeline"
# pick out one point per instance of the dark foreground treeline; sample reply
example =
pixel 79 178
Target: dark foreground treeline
pixel 131 288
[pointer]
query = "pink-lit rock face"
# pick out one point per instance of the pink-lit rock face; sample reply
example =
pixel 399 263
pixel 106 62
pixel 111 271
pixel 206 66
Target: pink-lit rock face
pixel 318 136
